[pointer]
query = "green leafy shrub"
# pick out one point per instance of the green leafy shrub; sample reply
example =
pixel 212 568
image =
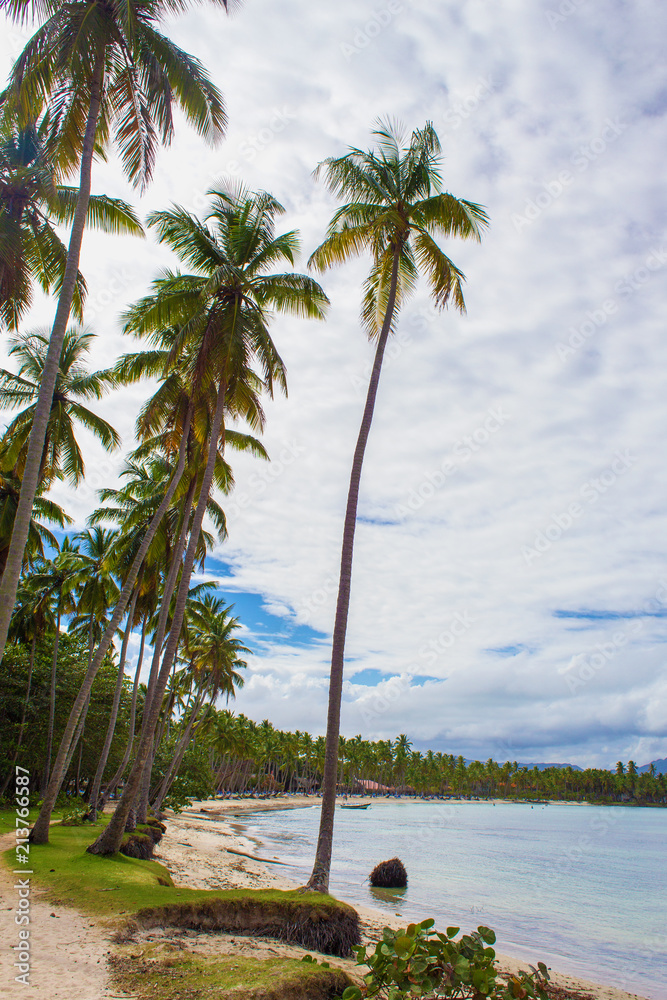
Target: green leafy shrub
pixel 421 962
pixel 76 814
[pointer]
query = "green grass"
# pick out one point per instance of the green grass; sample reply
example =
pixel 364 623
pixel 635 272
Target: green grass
pixel 186 978
pixel 8 818
pixel 115 884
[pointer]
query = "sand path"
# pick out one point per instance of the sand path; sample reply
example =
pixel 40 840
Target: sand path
pixel 68 950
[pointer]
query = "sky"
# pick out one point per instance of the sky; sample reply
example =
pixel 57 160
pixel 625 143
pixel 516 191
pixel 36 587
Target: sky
pixel 509 590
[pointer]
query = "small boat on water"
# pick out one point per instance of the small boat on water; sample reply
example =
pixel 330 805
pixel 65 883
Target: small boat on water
pixel 355 805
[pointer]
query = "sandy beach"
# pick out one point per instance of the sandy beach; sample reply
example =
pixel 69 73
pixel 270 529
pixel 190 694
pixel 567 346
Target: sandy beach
pixel 204 847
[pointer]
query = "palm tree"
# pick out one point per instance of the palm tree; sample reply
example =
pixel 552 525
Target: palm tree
pixel 57 579
pixel 32 615
pixel 32 202
pixel 394 208
pixel 107 72
pixel 222 315
pixel 61 456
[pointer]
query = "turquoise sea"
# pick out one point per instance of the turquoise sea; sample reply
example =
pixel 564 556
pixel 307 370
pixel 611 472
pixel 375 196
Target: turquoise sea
pixel 583 888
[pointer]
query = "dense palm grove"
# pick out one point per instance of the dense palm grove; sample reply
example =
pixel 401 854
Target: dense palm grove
pixel 74 606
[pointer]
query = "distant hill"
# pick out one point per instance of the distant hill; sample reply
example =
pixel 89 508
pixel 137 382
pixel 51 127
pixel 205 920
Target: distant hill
pixel 660 766
pixel 540 767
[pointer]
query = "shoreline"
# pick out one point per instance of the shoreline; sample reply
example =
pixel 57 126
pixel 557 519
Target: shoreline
pixel 206 846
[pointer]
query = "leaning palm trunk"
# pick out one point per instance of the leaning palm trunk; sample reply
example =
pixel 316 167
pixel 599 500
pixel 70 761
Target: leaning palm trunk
pixel 319 879
pixel 111 787
pixel 167 593
pixel 78 733
pixel 172 770
pixel 110 839
pixel 52 705
pixel 40 831
pixel 30 480
pixel 104 756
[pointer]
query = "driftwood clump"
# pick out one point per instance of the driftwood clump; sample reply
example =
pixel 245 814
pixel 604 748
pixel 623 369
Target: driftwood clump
pixel 326 926
pixel 389 875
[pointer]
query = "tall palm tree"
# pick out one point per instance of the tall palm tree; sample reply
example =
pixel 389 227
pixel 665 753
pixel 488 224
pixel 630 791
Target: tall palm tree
pixel 393 210
pixel 32 203
pixel 61 456
pixel 223 315
pixel 58 579
pixel 105 71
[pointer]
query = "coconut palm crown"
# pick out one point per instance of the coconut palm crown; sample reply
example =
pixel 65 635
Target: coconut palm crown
pixel 394 207
pixel 61 456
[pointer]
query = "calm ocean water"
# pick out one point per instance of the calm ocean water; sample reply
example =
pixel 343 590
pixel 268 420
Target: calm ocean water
pixel 583 888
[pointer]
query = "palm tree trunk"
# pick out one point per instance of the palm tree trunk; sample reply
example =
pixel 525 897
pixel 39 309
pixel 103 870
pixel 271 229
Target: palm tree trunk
pixel 104 756
pixel 172 770
pixel 77 735
pixel 319 879
pixel 169 587
pixel 111 838
pixel 111 787
pixel 30 480
pixel 40 831
pixel 52 706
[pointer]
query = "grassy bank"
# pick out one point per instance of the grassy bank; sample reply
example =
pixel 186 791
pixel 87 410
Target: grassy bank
pixel 175 977
pixel 143 893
